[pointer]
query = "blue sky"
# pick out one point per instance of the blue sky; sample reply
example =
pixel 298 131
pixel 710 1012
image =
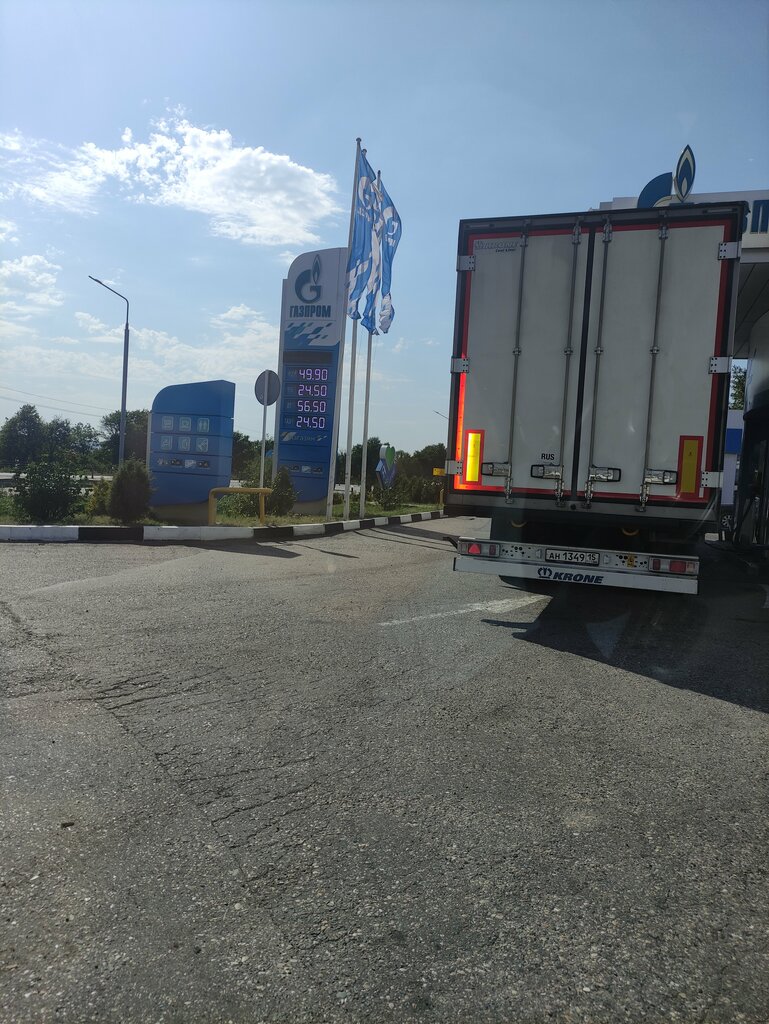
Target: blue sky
pixel 184 152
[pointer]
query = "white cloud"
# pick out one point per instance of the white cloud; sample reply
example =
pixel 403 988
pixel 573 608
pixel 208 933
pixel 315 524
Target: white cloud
pixel 98 332
pixel 14 333
pixel 36 271
pixel 248 193
pixel 8 231
pixel 234 315
pixel 240 345
pixel 29 287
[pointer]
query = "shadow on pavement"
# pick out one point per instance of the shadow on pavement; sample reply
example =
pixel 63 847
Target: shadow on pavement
pixel 402 535
pixel 246 547
pixel 715 643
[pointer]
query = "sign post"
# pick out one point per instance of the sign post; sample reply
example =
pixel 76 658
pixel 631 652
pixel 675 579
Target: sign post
pixel 267 390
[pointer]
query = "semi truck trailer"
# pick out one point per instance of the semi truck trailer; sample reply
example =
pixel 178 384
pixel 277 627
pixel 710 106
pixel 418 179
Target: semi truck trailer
pixel 589 392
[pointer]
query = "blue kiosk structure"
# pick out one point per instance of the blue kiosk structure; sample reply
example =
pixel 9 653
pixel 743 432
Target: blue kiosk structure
pixel 189 448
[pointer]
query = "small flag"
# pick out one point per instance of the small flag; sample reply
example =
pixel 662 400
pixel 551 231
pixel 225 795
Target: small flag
pixel 391 235
pixel 359 263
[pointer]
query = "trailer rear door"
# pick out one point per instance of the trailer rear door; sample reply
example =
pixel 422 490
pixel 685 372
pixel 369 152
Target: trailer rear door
pixel 583 360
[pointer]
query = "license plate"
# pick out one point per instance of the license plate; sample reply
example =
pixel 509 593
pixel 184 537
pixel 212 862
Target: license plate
pixel 573 557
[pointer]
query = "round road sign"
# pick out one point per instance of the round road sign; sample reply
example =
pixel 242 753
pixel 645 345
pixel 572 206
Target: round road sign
pixel 267 387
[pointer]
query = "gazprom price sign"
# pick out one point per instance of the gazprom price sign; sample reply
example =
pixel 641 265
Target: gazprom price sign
pixel 311 328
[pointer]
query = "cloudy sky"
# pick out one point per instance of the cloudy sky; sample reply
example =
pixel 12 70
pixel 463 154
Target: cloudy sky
pixel 185 151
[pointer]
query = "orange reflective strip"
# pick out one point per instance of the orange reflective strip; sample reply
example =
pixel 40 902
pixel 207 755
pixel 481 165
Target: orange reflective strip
pixel 473 447
pixel 689 465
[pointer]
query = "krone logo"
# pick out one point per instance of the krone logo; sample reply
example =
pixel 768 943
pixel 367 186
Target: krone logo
pixel 306 285
pixel 545 572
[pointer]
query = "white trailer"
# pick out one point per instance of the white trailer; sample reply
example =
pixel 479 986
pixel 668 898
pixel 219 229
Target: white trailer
pixel 590 379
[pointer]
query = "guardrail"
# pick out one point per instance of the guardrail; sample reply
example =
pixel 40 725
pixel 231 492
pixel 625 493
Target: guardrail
pixel 216 492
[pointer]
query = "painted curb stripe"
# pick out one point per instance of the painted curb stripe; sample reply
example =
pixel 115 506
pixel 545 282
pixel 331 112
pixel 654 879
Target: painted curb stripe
pixel 197 534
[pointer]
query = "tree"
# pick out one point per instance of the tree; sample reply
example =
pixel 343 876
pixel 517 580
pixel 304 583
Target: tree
pixel 430 457
pixel 339 467
pixel 244 451
pixel 406 465
pixel 58 437
pixel 22 438
pixel 135 435
pixel 737 392
pixel 130 493
pixel 79 444
pixel 85 442
pixel 356 461
pixel 283 496
pixel 47 491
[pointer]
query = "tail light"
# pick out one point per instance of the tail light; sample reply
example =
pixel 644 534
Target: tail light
pixel 680 566
pixel 479 548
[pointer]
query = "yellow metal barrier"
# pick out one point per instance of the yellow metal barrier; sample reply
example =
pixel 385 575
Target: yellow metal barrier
pixel 217 491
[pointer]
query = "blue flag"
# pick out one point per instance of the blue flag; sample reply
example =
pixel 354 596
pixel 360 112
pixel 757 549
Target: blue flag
pixel 360 260
pixel 391 235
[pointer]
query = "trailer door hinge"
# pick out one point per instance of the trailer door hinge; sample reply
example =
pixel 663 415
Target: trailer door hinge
pixel 713 480
pixel 459 364
pixel 720 364
pixel 729 250
pixel 466 263
pixel 454 467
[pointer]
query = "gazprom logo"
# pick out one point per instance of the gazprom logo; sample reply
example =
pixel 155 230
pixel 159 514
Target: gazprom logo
pixel 670 188
pixel 683 179
pixel 308 291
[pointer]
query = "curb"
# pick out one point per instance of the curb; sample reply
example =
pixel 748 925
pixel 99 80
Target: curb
pixel 185 534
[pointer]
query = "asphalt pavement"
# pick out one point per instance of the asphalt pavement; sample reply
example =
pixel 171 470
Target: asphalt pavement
pixel 331 780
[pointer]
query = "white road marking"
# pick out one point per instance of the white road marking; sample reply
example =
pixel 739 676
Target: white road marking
pixel 508 605
pixel 766 588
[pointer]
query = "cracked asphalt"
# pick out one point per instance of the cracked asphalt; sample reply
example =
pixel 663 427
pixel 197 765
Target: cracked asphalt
pixel 330 780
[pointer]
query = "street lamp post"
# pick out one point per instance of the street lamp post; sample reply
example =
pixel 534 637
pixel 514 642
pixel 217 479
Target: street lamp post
pixel 121 448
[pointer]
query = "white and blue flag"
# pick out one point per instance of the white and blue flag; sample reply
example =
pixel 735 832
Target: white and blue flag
pixel 375 274
pixel 391 235
pixel 360 262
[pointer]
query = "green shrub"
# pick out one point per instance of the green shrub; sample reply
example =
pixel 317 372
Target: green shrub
pixel 7 510
pixel 386 497
pixel 247 505
pixel 47 492
pixel 283 496
pixel 230 505
pixel 97 503
pixel 129 496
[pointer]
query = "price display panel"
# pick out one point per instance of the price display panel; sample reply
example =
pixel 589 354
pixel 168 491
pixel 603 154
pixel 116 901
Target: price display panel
pixel 306 418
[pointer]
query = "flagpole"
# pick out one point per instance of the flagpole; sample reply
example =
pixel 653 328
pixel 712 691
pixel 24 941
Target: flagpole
pixel 364 450
pixel 332 473
pixel 353 350
pixel 364 453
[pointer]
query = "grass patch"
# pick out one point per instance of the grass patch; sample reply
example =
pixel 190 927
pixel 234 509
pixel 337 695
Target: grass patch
pixel 372 510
